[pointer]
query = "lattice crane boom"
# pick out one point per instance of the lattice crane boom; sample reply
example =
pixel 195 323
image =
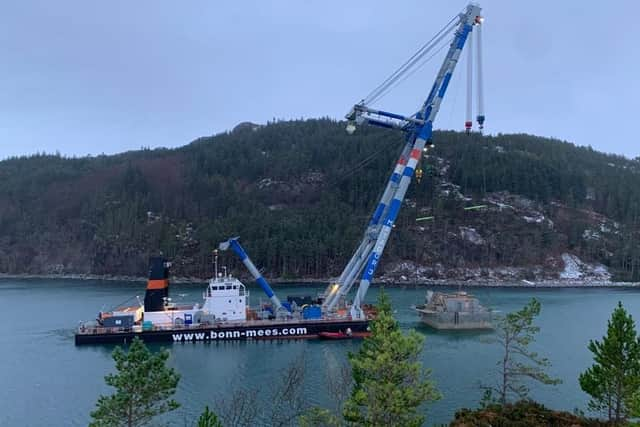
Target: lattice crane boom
pixel 418 130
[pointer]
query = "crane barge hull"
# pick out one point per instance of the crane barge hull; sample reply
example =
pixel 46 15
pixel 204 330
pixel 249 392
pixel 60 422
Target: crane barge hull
pixel 257 330
pixel 224 315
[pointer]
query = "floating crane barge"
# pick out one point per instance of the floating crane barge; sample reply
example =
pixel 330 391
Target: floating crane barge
pixel 225 313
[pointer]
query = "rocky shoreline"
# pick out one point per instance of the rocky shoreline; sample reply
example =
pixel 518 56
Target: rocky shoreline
pixel 559 283
pixel 523 284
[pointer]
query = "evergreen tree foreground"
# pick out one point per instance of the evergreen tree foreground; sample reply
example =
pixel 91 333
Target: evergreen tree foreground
pixel 208 419
pixel 144 386
pixel 390 385
pixel 514 333
pixel 613 381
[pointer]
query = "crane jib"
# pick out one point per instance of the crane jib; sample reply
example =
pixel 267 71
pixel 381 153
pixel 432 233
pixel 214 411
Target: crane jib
pixel 419 127
pixel 234 244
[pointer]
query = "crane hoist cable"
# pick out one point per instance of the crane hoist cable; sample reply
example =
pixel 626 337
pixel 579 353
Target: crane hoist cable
pixel 480 117
pixel 468 122
pixel 407 64
pixel 415 69
pixel 376 93
pixel 408 72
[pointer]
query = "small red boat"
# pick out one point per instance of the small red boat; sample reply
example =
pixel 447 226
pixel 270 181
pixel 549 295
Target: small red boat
pixel 334 335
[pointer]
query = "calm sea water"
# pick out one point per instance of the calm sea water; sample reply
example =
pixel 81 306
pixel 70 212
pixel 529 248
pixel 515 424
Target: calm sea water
pixel 47 381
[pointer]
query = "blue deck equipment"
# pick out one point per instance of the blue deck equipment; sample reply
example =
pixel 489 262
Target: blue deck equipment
pixel 234 244
pixel 312 312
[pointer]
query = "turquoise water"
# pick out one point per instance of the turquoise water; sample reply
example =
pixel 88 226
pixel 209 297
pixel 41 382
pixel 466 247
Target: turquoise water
pixel 47 381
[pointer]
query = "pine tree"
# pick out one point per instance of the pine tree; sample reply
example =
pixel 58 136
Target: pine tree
pixel 209 419
pixel 634 404
pixel 389 382
pixel 614 379
pixel 515 332
pixel 143 386
pixel 318 417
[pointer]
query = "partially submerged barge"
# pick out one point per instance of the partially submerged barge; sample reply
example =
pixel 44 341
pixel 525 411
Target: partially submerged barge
pixel 455 311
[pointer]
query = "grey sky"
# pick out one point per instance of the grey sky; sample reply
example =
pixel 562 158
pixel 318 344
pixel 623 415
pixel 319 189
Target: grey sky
pixel 84 77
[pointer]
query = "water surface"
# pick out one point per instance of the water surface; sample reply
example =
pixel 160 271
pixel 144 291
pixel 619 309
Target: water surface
pixel 47 381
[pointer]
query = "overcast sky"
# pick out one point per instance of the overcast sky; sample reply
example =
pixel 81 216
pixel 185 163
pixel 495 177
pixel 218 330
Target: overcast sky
pixel 82 77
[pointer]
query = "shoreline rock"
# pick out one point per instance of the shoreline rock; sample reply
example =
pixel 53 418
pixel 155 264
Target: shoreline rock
pixel 548 284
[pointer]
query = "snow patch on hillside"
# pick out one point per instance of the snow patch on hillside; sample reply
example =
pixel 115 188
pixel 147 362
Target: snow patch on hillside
pixel 536 218
pixel 448 189
pixel 571 267
pixel 471 235
pixel 575 268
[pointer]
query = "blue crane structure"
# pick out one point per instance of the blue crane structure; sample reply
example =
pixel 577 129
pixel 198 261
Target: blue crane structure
pixel 418 131
pixel 234 244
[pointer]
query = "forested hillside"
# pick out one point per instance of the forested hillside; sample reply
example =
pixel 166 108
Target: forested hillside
pixel 299 194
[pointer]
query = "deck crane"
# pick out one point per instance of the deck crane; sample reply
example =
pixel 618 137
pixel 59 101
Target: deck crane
pixel 418 131
pixel 234 244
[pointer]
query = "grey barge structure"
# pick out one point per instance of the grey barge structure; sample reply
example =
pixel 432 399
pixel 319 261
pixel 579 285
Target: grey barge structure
pixel 455 311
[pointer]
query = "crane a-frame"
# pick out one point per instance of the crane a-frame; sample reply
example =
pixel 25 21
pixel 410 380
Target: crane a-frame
pixel 418 129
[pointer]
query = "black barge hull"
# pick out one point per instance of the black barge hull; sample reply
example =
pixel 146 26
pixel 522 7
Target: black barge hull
pixel 224 332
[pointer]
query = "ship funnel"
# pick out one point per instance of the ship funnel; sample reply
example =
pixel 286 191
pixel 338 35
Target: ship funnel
pixel 157 285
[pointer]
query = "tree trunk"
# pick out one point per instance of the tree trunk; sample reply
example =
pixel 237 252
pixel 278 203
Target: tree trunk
pixel 618 401
pixel 505 377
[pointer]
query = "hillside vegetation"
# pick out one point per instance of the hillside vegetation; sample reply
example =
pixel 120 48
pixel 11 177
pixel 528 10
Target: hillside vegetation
pixel 299 194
